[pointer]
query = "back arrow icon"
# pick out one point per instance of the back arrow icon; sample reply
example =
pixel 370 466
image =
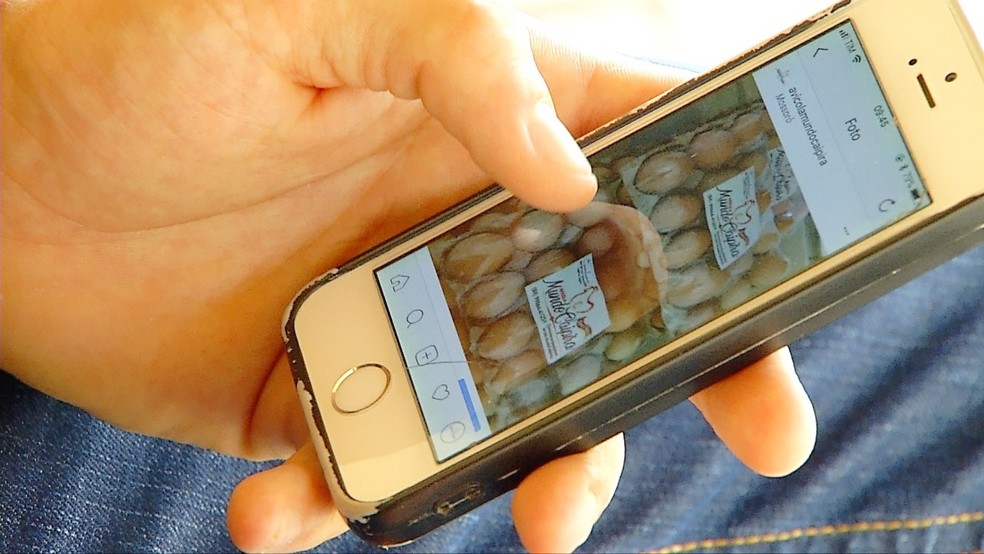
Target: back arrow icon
pixel 818 51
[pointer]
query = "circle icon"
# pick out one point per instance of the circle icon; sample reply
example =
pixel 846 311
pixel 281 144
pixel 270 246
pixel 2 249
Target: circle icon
pixel 359 388
pixel 452 432
pixel 414 317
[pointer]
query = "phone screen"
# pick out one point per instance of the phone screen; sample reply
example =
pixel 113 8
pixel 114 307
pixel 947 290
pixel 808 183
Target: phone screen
pixel 696 214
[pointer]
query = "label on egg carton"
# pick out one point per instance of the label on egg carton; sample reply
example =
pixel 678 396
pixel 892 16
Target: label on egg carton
pixel 733 217
pixel 569 308
pixel 778 178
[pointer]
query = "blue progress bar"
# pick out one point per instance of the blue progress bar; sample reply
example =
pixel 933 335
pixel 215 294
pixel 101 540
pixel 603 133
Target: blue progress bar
pixel 469 405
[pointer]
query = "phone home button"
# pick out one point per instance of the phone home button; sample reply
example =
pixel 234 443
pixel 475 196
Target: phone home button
pixel 359 388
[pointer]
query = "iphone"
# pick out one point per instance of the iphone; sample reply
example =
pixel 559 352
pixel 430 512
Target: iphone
pixel 734 214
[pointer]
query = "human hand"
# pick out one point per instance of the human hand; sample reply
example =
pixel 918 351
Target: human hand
pixel 175 171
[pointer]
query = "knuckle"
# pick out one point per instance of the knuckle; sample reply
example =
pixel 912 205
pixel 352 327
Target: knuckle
pixel 483 24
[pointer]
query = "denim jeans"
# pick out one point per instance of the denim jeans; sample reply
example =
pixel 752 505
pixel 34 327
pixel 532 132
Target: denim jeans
pixel 899 465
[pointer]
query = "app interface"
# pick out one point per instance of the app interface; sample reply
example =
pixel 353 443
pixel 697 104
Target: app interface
pixel 696 214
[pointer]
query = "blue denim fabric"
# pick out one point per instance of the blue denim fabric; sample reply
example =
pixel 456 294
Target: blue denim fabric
pixel 899 466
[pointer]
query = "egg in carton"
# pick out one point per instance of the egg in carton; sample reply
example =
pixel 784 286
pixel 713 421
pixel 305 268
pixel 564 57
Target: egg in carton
pixel 689 164
pixel 486 267
pixel 670 181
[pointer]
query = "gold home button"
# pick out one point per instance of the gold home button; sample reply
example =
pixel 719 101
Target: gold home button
pixel 359 388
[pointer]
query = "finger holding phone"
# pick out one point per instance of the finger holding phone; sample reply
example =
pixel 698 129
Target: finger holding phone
pixel 158 216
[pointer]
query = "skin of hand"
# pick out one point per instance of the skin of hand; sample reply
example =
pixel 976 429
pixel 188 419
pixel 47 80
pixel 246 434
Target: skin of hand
pixel 173 172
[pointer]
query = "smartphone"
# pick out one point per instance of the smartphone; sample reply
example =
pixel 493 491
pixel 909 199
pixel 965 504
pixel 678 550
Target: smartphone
pixel 734 214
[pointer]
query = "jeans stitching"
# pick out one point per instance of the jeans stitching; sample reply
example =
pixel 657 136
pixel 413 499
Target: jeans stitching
pixel 823 530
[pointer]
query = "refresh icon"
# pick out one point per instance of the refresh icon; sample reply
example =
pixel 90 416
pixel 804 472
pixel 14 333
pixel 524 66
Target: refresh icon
pixel 886 205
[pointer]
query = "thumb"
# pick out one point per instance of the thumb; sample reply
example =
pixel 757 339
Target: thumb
pixel 556 506
pixel 471 64
pixel 284 509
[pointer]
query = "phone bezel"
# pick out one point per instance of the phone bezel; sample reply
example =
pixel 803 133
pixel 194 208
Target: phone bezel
pixel 406 445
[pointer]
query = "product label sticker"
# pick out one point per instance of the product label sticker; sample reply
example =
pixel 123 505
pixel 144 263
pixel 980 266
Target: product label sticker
pixel 778 176
pixel 568 307
pixel 733 217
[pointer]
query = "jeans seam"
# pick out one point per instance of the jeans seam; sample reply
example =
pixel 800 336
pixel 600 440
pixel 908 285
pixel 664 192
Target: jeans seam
pixel 822 531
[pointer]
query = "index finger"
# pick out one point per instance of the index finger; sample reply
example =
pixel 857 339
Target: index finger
pixel 483 74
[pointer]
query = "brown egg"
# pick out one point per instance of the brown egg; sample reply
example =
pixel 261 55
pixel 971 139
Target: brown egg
pixel 596 240
pixel 498 222
pixel 737 294
pixel 623 162
pixel 547 262
pixel 506 337
pixel 625 344
pixel 756 160
pixel 439 248
pixel 741 266
pixel 537 230
pixel 677 211
pixel 533 393
pixel 750 125
pixel 714 178
pixel 475 256
pixel 494 296
pixel 684 248
pixel 695 285
pixel 662 172
pixel 783 207
pixel 790 212
pixel 768 270
pixel 579 373
pixel 714 148
pixel 656 320
pixel 482 370
pixel 623 312
pixel 519 260
pixel 764 199
pixel 569 236
pixel 766 242
pixel 785 222
pixel 604 175
pixel 756 144
pixel 589 215
pixel 515 370
pixel 698 316
pixel 615 278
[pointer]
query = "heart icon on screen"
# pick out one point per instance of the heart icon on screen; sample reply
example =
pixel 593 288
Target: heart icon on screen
pixel 441 393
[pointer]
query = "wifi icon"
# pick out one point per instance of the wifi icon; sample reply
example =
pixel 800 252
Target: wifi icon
pixel 857 58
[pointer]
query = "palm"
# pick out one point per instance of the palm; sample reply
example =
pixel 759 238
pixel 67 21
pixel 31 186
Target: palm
pixel 266 183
